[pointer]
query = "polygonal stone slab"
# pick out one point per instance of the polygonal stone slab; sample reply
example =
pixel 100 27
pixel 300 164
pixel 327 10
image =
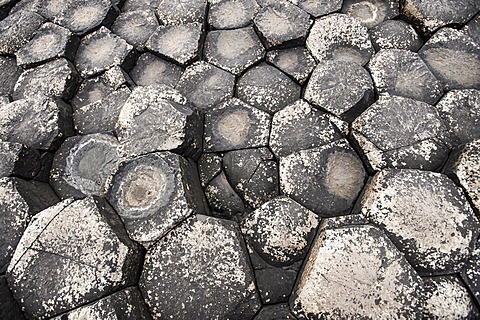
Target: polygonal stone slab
pixel 426 215
pixel 206 85
pixel 296 62
pixel 155 192
pixel 235 125
pixel 157 118
pixel 281 230
pixel 231 14
pixel 200 270
pixel 135 27
pixel 18 160
pixel 340 87
pixel 133 5
pixel 395 34
pixel 17 29
pixel 319 8
pixel 10 73
pixel 150 70
pixel 403 73
pixel 299 127
pixel 357 272
pixel 222 198
pixel 397 132
pixel 267 88
pixel 326 180
pixel 279 311
pixel 339 37
pixel 371 12
pixel 233 50
pixel 70 254
pixel 181 11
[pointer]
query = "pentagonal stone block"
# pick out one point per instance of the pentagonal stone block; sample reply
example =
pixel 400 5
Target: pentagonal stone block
pixel 339 37
pixel 181 11
pixel 233 50
pixel 18 160
pixel 299 127
pixel 206 85
pixel 397 132
pixel 296 62
pixel 155 192
pixel 150 70
pixel 180 43
pixel 10 73
pixel 395 34
pixel 71 254
pixel 135 27
pixel 235 125
pixel 157 118
pixel 17 29
pixel 403 73
pixel 281 230
pixel 371 12
pixel 267 88
pixel 40 123
pixel 102 50
pixel 83 164
pixel 55 79
pixel 363 261
pixel 253 174
pixel 200 270
pixel 411 206
pixel 279 311
pixel 20 200
pixel 326 180
pixel 319 8
pixel 50 42
pixel 454 58
pixel 340 87
pixel 231 14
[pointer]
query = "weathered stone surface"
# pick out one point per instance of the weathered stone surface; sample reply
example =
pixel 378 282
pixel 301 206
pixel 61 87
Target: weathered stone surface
pixel 340 87
pixel 326 180
pixel 454 58
pixel 296 62
pixel 473 28
pixel 209 166
pixel 471 272
pixel 235 125
pixel 154 193
pixel 371 12
pixel 70 254
pixel 17 29
pixel 339 37
pixel 100 51
pixel 133 5
pixel 40 123
pixel 136 27
pixel 200 270
pixel 206 85
pixel 345 221
pixel 395 34
pixel 18 160
pixel 411 206
pixel 10 73
pixel 275 284
pixel 397 132
pixel 233 50
pixel 403 73
pixel 319 8
pixel 267 88
pixel 222 198
pixel 298 127
pixel 150 70
pixel 354 273
pixel 55 79
pixel 230 14
pixel 9 308
pixel 181 11
pixel 275 312
pixel 158 118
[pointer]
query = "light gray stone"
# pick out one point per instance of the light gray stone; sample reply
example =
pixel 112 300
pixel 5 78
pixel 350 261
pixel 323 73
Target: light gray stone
pixel 371 12
pixel 181 11
pixel 296 62
pixel 135 27
pixel 231 14
pixel 151 70
pixel 395 34
pixel 17 29
pixel 319 8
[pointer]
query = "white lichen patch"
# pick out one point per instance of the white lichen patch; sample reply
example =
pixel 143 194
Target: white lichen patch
pixel 447 298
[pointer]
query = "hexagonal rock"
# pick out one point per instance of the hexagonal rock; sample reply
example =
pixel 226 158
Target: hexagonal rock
pixel 298 127
pixel 447 298
pixel 158 118
pixel 20 200
pixel 403 73
pixel 326 180
pixel 430 15
pixel 235 125
pixel 397 132
pixel 231 14
pixel 151 69
pixel 371 12
pixel 233 50
pixel 454 58
pixel 341 87
pixel 17 29
pixel 18 160
pixel 253 173
pixel 357 272
pixel 155 192
pixel 181 11
pixel 219 283
pixel 100 51
pixel 221 197
pixel 395 34
pixel 280 230
pixel 319 8
pixel 279 311
pixel 133 5
pixel 10 73
pixel 135 27
pixel 206 85
pixel 296 62
pixel 9 308
pixel 411 206
pixel 128 303
pixel 55 79
pixel 267 88
pixel 70 254
pixel 339 37
pixel 282 23
pixel 50 42
pixel 40 123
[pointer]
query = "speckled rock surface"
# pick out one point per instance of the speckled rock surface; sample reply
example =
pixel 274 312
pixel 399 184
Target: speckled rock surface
pixel 151 69
pixel 10 73
pixel 181 11
pixel 395 34
pixel 296 62
pixel 9 308
pixel 371 12
pixel 18 160
pixel 17 29
pixel 227 14
pixel 136 27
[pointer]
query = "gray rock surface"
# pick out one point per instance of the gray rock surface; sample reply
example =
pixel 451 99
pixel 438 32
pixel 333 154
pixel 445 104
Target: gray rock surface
pixel 10 73
pixel 17 29
pixel 222 198
pixel 275 312
pixel 133 5
pixel 9 308
pixel 18 160
pixel 230 14
pixel 395 34
pixel 319 8
pixel 181 11
pixel 296 62
pixel 150 69
pixel 473 28
pixel 371 12
pixel 136 27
